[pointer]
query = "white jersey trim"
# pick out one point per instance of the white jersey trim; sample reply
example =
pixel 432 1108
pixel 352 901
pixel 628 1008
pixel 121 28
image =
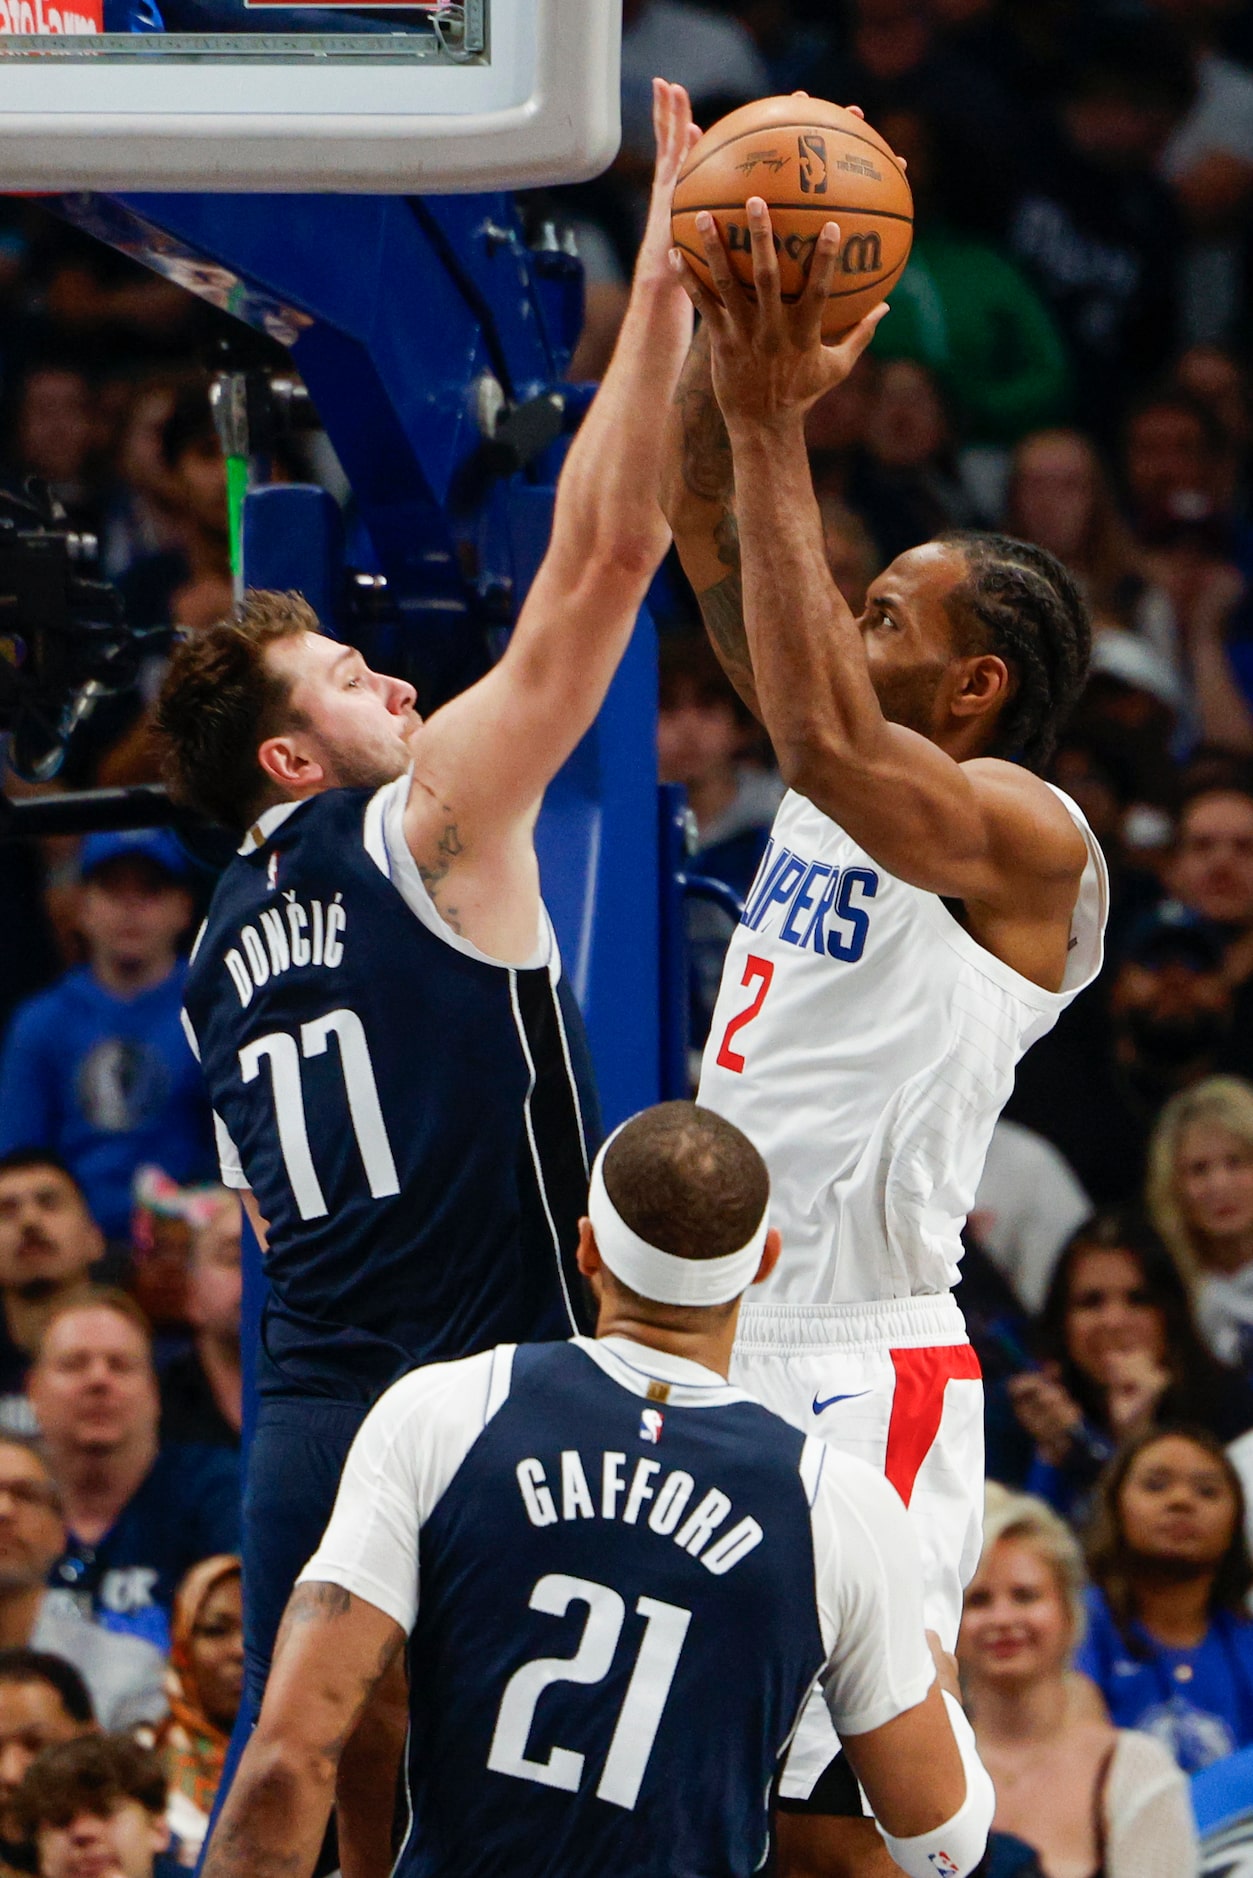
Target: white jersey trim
pixel 634 1366
pixel 259 832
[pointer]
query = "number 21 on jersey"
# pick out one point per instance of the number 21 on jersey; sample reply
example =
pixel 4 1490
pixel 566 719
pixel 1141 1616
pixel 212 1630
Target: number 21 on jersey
pixel 757 971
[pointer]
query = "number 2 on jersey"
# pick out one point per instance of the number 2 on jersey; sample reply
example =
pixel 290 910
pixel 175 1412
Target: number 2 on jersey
pixel 364 1108
pixel 665 1627
pixel 756 968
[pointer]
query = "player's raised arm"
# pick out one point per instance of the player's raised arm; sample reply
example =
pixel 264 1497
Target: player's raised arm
pixel 331 1654
pixel 490 753
pixel 863 747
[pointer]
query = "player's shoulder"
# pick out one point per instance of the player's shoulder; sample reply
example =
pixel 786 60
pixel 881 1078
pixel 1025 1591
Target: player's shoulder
pixel 462 1389
pixel 843 1487
pixel 1045 828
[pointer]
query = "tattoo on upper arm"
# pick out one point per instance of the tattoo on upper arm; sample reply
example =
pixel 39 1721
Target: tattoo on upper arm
pixel 447 849
pixel 311 1603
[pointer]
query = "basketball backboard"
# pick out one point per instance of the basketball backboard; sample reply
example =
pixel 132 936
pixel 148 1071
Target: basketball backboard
pixel 235 95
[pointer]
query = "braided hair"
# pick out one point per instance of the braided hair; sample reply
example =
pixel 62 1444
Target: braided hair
pixel 1019 602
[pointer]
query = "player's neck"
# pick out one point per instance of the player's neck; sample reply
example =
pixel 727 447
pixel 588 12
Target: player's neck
pixel 710 1348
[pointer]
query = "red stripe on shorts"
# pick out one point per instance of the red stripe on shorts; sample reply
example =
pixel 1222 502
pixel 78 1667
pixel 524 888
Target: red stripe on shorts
pixel 918 1403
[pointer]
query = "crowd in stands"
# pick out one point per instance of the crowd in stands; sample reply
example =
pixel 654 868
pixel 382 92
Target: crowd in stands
pixel 1066 359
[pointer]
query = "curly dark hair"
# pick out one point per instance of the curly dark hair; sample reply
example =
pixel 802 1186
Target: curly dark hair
pixel 221 700
pixel 1021 603
pixel 92 1774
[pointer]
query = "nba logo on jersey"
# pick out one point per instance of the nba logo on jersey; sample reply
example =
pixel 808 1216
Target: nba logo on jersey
pixel 650 1425
pixel 944 1865
pixel 271 872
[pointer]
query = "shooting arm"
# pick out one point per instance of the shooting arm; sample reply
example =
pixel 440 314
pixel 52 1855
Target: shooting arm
pixel 978 831
pixel 698 497
pixel 332 1651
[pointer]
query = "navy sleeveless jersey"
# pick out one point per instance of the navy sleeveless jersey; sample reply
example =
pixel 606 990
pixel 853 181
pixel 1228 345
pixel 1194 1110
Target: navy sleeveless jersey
pixel 616 1631
pixel 414 1119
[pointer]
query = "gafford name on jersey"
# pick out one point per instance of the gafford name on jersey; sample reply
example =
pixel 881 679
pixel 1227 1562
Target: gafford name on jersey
pixel 666 1499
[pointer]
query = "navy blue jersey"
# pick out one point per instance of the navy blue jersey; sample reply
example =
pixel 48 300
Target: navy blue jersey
pixel 622 1579
pixel 411 1116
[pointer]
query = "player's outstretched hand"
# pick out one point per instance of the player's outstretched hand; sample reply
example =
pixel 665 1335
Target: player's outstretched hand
pixel 676 135
pixel 769 360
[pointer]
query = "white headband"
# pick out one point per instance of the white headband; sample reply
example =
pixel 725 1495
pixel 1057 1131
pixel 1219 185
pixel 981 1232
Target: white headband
pixel 659 1275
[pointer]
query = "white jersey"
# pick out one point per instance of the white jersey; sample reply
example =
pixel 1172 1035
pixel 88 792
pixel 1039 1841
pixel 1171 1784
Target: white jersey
pixel 866 1043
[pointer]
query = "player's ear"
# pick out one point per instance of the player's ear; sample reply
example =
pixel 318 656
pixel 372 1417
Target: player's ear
pixel 769 1255
pixel 587 1257
pixel 285 763
pixel 984 684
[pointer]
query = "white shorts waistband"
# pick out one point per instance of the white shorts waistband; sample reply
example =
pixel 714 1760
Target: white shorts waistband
pixel 891 1323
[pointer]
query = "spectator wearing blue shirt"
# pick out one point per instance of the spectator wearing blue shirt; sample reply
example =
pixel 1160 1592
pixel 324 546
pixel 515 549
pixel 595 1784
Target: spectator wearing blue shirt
pixel 1169 1640
pixel 138 1515
pixel 97 1067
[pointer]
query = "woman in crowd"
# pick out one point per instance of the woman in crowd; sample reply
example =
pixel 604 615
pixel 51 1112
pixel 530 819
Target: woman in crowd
pixel 1169 1643
pixel 205 1684
pixel 1093 1801
pixel 1201 1201
pixel 1120 1354
pixel 1060 496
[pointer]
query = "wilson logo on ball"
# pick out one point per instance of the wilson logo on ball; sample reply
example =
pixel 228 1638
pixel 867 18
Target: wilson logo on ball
pixel 862 254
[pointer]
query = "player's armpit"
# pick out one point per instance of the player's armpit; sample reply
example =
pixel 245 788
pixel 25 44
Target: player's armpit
pixel 256 1219
pixel 332 1650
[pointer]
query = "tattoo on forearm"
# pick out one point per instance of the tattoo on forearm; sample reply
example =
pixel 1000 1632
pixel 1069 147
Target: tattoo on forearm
pixel 706 460
pixel 722 609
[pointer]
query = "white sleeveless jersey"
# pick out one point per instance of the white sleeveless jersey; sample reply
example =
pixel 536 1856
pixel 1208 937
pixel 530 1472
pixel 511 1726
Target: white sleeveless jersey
pixel 866 1043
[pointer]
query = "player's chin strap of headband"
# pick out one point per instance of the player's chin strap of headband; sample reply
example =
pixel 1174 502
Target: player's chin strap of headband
pixel 660 1275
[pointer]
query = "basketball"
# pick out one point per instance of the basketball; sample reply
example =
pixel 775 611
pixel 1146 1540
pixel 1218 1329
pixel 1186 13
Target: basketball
pixel 812 163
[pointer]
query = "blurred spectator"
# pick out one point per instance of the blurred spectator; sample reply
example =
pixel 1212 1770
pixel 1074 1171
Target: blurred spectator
pixel 704 732
pixel 1170 1643
pixel 97 1068
pixel 1097 1094
pixel 1086 1796
pixel 1211 872
pixel 55 438
pixel 910 442
pixel 1093 225
pixel 1095 764
pixel 48 1245
pixel 1060 497
pixel 139 1515
pixel 709 53
pixel 1201 1196
pixel 969 315
pixel 1028 1205
pixel 190 584
pixel 1216 378
pixel 95 1808
pixel 1120 1353
pixel 43 1702
pixel 892 57
pixel 202 1392
pixel 124 1675
pixel 146 514
pixel 1208 163
pixel 206 1683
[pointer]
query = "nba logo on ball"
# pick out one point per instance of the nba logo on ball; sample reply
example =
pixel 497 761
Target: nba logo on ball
pixel 944 1864
pixel 650 1428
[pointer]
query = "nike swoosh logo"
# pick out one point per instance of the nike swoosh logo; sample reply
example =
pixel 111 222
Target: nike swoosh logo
pixel 851 1397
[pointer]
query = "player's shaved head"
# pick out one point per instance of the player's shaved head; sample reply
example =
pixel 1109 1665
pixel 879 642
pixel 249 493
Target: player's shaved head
pixel 687 1181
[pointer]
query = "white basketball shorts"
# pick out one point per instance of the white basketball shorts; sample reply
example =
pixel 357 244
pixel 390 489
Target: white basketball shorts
pixel 898 1385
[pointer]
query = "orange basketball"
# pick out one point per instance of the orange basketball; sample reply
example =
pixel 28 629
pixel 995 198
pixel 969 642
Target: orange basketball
pixel 813 163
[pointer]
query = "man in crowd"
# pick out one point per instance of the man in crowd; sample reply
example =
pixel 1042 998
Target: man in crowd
pixel 97 1067
pixel 43 1702
pixel 138 1515
pixel 1097 1096
pixel 95 1808
pixel 506 1473
pixel 124 1675
pixel 202 1391
pixel 48 1245
pixel 1211 871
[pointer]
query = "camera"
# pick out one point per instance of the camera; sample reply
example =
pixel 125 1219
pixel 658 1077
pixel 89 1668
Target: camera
pixel 63 639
